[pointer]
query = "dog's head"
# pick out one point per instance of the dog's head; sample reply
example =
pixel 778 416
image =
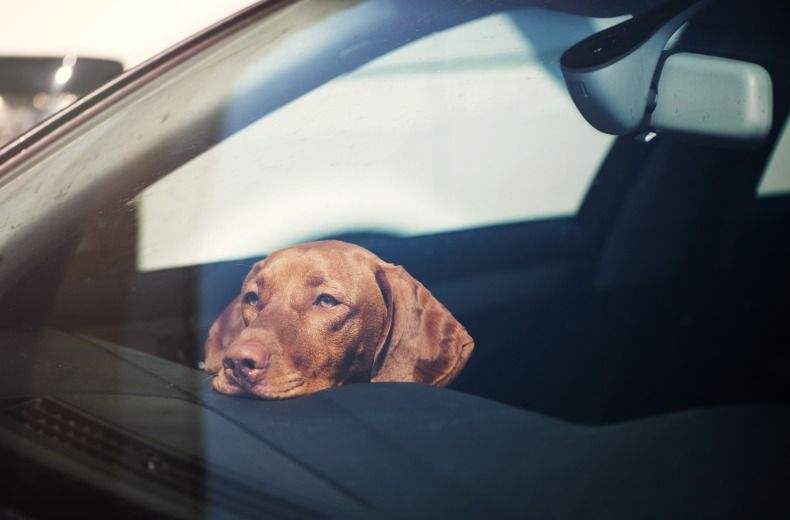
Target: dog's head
pixel 330 313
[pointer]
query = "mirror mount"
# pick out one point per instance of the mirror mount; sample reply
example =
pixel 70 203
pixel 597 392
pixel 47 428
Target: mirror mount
pixel 621 84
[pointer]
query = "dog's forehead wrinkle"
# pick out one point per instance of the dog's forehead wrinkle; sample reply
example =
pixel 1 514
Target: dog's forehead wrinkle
pixel 315 279
pixel 316 268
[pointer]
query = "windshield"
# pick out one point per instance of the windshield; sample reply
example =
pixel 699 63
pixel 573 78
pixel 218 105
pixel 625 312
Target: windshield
pixel 600 277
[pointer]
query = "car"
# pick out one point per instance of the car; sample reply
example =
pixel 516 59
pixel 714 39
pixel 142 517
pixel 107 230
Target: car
pixel 624 283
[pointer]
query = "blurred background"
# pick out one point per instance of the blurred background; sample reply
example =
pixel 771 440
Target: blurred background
pixel 53 52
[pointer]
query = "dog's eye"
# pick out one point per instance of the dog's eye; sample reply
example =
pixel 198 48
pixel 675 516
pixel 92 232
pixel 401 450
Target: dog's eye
pixel 250 298
pixel 326 300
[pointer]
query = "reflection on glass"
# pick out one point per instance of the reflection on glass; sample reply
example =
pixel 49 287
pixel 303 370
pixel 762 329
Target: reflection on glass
pixel 64 73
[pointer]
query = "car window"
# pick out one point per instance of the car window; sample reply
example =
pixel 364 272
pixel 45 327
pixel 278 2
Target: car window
pixel 625 295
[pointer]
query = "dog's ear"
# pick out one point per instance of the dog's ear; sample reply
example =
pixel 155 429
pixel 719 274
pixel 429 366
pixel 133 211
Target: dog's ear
pixel 222 333
pixel 421 341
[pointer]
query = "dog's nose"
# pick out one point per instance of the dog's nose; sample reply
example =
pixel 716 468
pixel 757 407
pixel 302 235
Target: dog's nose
pixel 243 359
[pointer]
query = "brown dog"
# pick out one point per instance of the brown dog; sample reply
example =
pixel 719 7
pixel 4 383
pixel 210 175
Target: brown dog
pixel 326 314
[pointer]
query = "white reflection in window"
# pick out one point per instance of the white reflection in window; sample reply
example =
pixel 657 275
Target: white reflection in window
pixel 465 128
